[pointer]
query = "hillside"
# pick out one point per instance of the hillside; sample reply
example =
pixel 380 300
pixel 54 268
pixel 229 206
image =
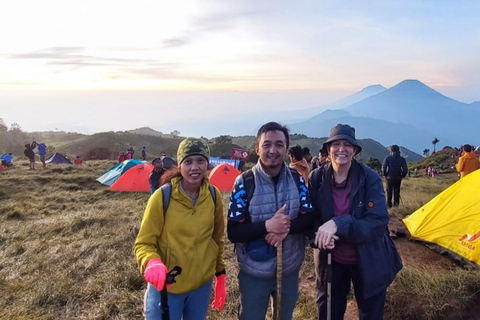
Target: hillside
pixel 66 253
pixel 109 144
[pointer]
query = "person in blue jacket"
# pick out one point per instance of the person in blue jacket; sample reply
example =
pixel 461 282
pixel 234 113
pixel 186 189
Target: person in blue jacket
pixel 7 159
pixel 350 206
pixel 42 151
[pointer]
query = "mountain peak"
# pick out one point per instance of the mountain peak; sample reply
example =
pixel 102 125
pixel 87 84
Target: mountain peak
pixel 373 89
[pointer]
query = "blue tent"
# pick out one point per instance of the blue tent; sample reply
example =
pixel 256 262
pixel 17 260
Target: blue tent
pixel 116 171
pixel 216 161
pixel 58 158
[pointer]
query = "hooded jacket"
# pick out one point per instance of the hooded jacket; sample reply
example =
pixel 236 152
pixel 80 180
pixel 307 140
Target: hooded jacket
pixel 188 236
pixel 365 227
pixel 394 167
pixel 467 164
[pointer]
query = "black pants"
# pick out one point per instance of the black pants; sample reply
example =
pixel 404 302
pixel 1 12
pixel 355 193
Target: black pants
pixel 342 276
pixel 393 185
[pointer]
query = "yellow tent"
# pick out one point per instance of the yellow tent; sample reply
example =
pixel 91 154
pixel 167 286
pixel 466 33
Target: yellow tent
pixel 452 219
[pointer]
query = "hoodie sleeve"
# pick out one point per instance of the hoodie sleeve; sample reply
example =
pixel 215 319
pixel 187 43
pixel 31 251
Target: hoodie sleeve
pixel 461 163
pixel 404 168
pixel 385 166
pixel 150 231
pixel 219 233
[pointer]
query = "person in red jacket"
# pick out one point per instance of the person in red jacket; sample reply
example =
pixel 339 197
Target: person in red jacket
pixel 78 160
pixel 121 157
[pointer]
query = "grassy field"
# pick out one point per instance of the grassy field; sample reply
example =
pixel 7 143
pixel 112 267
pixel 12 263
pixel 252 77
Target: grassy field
pixel 66 252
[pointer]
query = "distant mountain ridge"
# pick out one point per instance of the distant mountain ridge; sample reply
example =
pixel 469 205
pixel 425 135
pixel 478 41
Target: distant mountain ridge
pixel 410 114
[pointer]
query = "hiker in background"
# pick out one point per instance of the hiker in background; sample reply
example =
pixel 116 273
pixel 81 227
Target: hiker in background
pixel 132 151
pixel 189 234
pixel 468 162
pixel 7 159
pixel 307 156
pixel 298 162
pixel 277 213
pixel 30 154
pixel 394 169
pixel 144 153
pixel 42 151
pixel 128 155
pixel 320 160
pixel 350 207
pixel 121 157
pixel 78 160
pixel 156 174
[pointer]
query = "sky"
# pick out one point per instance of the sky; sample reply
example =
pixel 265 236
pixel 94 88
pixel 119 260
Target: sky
pixel 214 67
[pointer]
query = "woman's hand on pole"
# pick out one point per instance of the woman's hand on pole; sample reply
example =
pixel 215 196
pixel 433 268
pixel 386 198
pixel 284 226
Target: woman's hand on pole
pixel 325 233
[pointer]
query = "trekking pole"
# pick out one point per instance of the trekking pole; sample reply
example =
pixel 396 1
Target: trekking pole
pixel 164 293
pixel 329 285
pixel 279 280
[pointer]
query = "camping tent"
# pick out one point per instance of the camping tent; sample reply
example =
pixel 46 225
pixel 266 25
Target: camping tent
pixel 168 162
pixel 135 179
pixel 223 177
pixel 116 171
pixel 58 158
pixel 452 219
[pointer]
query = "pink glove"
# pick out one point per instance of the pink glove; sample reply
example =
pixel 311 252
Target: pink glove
pixel 156 273
pixel 220 292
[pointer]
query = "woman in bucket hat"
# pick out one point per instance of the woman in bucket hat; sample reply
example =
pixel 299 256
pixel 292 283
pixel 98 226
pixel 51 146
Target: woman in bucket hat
pixel 189 235
pixel 350 205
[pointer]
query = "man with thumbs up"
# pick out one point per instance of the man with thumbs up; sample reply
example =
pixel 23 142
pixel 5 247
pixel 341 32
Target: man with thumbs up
pixel 270 207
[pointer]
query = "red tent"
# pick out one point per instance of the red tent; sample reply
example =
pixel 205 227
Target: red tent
pixel 223 177
pixel 134 179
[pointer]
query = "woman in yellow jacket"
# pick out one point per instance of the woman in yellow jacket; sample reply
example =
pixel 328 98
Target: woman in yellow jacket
pixel 190 234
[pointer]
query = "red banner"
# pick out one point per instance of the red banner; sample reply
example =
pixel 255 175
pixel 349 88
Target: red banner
pixel 239 154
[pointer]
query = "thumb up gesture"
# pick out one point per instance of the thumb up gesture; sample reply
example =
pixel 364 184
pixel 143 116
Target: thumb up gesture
pixel 279 223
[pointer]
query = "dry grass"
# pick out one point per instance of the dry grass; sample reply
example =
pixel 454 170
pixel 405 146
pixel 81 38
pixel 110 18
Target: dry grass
pixel 66 252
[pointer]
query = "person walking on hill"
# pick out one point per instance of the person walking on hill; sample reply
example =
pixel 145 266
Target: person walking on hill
pixel 468 162
pixel 42 151
pixel 189 233
pixel 394 169
pixel 298 162
pixel 144 153
pixel 156 174
pixel 269 210
pixel 30 154
pixel 351 210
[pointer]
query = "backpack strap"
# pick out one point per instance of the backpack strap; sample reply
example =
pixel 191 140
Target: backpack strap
pixel 296 176
pixel 249 184
pixel 166 194
pixel 166 190
pixel 213 193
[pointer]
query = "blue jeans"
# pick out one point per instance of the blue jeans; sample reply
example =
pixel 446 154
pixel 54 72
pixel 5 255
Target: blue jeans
pixel 255 295
pixel 192 305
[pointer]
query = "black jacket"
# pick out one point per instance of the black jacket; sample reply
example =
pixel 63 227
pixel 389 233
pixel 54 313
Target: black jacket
pixel 394 166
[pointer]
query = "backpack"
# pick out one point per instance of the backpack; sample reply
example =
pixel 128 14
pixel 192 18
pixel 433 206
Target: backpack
pixel 249 182
pixel 167 194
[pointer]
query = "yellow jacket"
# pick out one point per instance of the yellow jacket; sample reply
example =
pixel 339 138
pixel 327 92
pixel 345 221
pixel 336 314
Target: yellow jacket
pixel 188 236
pixel 467 164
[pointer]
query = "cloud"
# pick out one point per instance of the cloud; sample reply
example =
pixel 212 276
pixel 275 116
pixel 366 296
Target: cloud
pixel 220 22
